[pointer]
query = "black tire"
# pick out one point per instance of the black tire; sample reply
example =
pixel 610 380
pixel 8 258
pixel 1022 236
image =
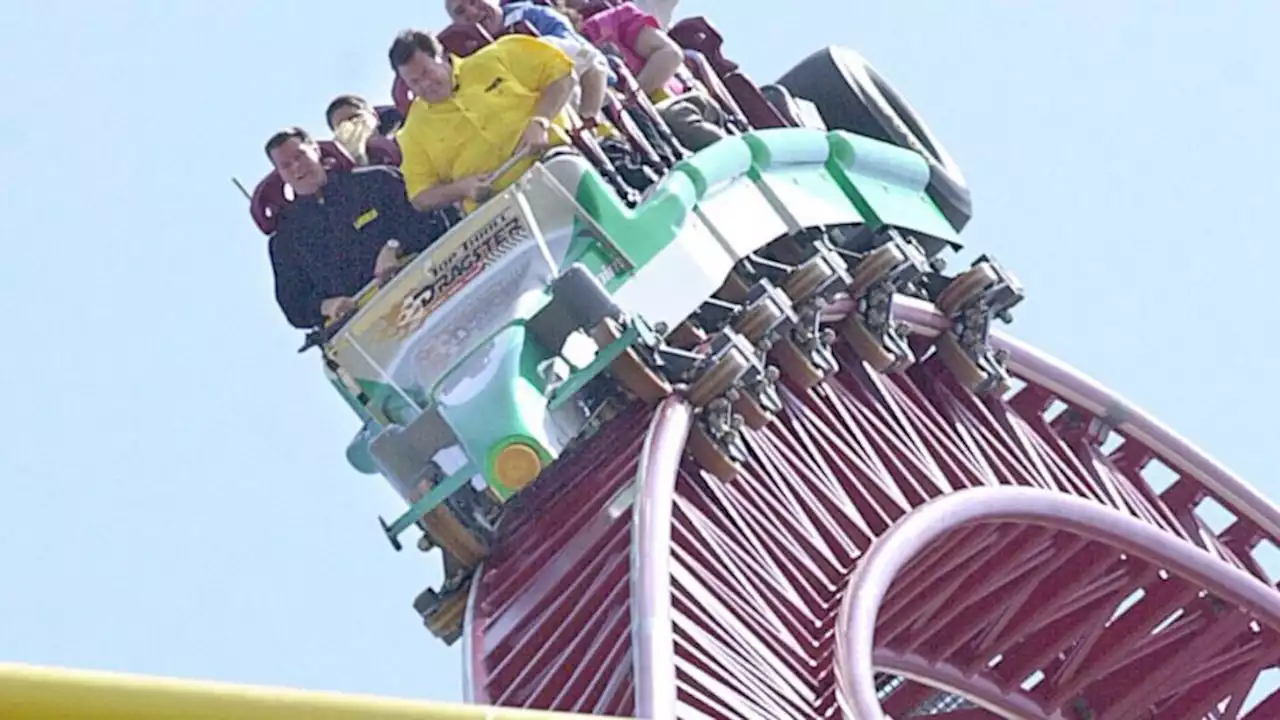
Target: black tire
pixel 851 95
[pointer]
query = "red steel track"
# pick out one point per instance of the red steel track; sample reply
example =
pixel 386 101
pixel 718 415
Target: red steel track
pixel 892 542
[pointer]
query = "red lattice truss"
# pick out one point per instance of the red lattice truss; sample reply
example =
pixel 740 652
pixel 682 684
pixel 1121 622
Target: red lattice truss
pixel 1023 618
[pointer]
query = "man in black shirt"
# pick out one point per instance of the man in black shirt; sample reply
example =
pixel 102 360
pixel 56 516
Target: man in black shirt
pixel 334 238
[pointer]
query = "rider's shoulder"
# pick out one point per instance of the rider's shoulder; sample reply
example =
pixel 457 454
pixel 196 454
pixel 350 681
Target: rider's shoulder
pixel 375 174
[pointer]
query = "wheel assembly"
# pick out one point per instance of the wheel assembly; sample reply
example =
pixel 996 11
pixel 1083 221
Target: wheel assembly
pixel 452 536
pixel 443 612
pixel 631 371
pixel 730 387
pixel 686 336
pixel 870 348
pixel 721 369
pixel 815 275
pixel 805 357
pixel 966 288
pixel 756 397
pixel 966 370
pixel 896 260
pixel 716 442
pixel 869 328
pixel 972 300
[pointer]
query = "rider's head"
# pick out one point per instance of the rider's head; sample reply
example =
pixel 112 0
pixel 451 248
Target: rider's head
pixel 484 13
pixel 296 157
pixel 421 62
pixel 350 107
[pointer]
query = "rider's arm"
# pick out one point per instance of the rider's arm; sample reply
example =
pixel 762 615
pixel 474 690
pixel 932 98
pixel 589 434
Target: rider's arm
pixel 595 83
pixel 414 230
pixel 539 65
pixel 294 291
pixel 444 194
pixel 629 27
pixel 662 56
pixel 592 69
pixel 554 97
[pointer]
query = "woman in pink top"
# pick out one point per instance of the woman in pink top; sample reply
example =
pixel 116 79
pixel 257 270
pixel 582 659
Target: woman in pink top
pixel 653 57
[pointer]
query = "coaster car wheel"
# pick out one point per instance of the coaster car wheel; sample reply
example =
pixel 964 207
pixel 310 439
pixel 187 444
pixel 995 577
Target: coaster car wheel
pixel 966 288
pixel 806 362
pixel 768 308
pixel 967 371
pixel 443 612
pixel 687 335
pixel 631 371
pixel 723 368
pixel 446 528
pixel 972 300
pixel 715 441
pixel 758 401
pixel 815 274
pixel 869 327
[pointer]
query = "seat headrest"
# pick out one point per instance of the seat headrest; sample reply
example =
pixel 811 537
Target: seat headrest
pixel 383 150
pixel 463 40
pixel 698 33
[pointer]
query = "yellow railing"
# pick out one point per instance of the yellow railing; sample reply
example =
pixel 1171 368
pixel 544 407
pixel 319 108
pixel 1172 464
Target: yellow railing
pixel 28 692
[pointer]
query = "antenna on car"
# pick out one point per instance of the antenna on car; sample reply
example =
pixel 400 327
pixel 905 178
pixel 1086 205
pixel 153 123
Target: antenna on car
pixel 244 192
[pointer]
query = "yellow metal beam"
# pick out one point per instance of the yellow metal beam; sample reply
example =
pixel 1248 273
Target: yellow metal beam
pixel 36 693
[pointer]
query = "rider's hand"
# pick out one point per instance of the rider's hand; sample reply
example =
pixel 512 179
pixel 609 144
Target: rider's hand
pixel 534 138
pixel 475 187
pixel 335 307
pixel 387 262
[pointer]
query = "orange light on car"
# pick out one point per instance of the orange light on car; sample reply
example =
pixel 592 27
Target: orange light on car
pixel 516 466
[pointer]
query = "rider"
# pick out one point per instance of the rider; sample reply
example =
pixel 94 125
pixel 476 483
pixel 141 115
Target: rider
pixel 335 237
pixel 594 75
pixel 472 115
pixel 654 58
pixel 354 121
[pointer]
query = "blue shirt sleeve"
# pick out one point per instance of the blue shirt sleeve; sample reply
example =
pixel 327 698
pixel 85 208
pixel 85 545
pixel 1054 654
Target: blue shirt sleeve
pixel 543 19
pixel 548 22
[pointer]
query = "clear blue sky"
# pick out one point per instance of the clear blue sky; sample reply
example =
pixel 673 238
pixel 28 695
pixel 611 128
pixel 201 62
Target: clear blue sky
pixel 174 497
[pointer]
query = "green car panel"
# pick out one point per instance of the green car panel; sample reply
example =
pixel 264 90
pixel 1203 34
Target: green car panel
pixel 887 184
pixel 789 165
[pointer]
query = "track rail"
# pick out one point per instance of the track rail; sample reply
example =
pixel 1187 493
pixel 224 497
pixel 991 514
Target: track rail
pixel 647 585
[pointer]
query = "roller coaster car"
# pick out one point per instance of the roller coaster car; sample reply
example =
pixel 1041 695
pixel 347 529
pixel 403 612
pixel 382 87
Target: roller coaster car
pixel 509 341
pixel 491 354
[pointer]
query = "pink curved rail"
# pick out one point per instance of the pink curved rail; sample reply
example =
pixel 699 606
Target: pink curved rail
pixel 1084 392
pixel 909 539
pixel 652 639
pixel 610 599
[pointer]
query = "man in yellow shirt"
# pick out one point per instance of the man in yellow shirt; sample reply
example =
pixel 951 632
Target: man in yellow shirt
pixel 471 115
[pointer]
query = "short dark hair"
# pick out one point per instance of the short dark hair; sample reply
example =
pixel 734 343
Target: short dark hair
pixel 409 42
pixel 284 136
pixel 342 101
